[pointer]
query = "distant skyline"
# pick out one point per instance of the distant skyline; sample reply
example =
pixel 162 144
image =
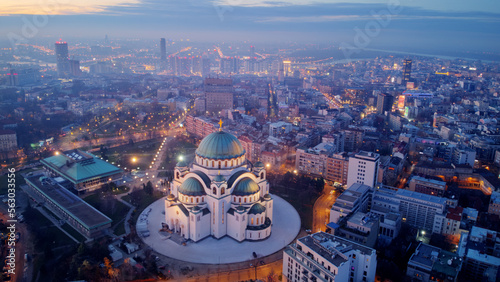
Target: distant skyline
pixel 411 25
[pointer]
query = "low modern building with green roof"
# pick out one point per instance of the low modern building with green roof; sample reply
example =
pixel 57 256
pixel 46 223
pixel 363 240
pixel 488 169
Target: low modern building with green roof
pixel 84 171
pixel 87 220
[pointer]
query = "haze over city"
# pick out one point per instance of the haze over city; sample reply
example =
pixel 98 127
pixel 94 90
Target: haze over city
pixel 259 140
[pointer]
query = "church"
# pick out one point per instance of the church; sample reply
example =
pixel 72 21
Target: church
pixel 221 193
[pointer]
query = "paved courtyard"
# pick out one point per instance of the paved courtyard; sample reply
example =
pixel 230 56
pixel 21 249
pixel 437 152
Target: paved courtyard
pixel 286 226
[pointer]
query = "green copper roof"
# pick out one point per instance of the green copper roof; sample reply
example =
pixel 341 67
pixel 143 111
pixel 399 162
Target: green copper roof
pixel 79 171
pixel 191 187
pixel 257 209
pixel 219 178
pixel 235 176
pixel 220 145
pixel 259 164
pixel 246 187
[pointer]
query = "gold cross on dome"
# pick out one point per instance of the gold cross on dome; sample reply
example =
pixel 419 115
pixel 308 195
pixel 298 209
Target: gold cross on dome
pixel 220 124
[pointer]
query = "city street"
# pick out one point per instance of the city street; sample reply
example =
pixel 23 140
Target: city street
pixel 322 206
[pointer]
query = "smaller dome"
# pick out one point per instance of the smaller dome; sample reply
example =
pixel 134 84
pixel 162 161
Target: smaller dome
pixel 182 164
pixel 246 187
pixel 196 208
pixel 267 197
pixel 170 197
pixel 257 209
pixel 191 187
pixel 258 164
pixel 219 178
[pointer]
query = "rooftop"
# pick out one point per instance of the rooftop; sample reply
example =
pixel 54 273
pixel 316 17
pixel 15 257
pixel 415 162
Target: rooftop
pixel 367 155
pixel 420 196
pixel 80 210
pixel 423 179
pixel 333 248
pixel 78 166
pixel 436 259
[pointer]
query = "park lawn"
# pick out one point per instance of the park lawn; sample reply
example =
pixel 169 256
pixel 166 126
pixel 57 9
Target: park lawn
pixel 120 228
pixel 120 190
pixel 144 153
pixel 116 215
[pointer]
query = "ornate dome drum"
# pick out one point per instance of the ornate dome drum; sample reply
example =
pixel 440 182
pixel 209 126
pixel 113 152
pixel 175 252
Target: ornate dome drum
pixel 220 150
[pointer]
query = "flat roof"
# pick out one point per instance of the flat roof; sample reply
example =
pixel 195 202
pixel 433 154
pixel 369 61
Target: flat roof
pixel 77 208
pixel 78 166
pixel 423 179
pixel 425 255
pixel 421 196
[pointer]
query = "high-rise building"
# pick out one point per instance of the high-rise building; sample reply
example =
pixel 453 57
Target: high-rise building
pixel 324 257
pixel 427 186
pixel 336 169
pixel 363 168
pixel 355 198
pixel 252 51
pixel 406 72
pixel 384 103
pixel 218 94
pixel 163 49
pixel 62 58
pixel 74 67
pixel 416 209
pixel 353 139
pixel 12 76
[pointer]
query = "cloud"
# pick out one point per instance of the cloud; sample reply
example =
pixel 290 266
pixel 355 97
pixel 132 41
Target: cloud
pixel 333 18
pixel 60 7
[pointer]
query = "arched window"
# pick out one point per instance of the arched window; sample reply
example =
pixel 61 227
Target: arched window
pixel 214 191
pixel 197 199
pixel 261 175
pixel 225 163
pixel 251 221
pixel 257 221
pixel 222 191
pixel 213 164
pixel 240 200
pixel 191 200
pixel 232 162
pixel 178 175
pixel 245 200
pixel 203 199
pixel 219 164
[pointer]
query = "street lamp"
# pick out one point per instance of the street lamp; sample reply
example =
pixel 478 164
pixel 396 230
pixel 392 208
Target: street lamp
pixel 134 159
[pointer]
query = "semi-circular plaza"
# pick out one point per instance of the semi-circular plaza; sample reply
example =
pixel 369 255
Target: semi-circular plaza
pixel 286 226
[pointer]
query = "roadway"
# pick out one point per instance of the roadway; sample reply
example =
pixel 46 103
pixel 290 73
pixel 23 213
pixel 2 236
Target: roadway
pixel 262 272
pixel 322 206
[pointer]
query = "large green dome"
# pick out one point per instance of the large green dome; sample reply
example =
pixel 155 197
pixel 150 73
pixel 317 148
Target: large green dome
pixel 191 187
pixel 246 187
pixel 220 145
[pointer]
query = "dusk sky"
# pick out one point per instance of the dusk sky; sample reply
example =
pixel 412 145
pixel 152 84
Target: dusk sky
pixel 433 25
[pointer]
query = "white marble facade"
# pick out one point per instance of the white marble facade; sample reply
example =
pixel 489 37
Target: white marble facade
pixel 220 194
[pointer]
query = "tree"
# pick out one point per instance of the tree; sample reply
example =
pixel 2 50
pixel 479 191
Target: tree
pixel 148 189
